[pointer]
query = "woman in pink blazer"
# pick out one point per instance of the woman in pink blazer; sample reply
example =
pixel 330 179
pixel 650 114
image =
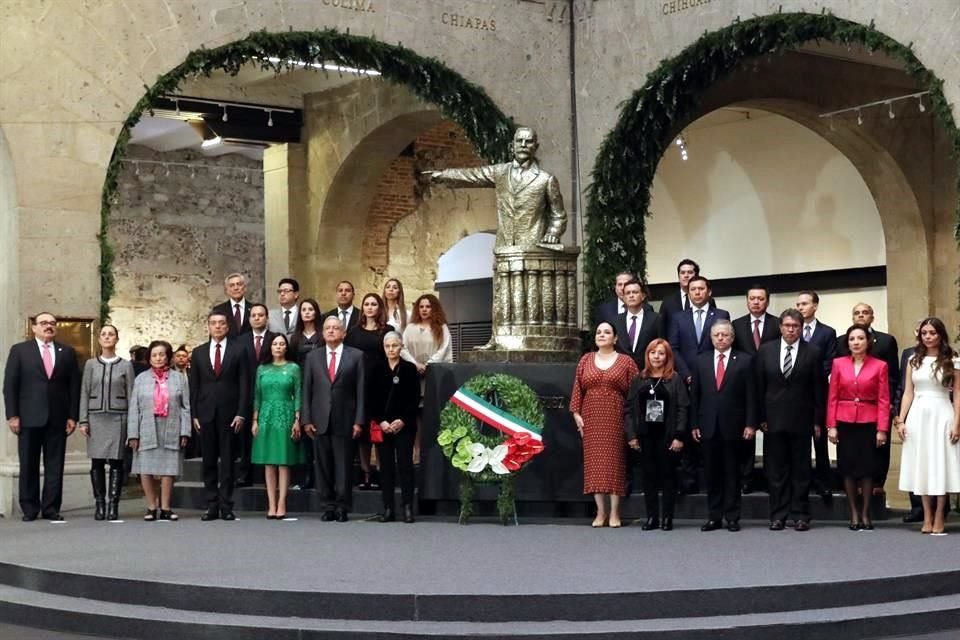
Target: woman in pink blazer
pixel 858 420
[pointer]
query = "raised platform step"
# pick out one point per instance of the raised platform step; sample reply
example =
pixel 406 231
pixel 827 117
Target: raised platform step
pixel 80 615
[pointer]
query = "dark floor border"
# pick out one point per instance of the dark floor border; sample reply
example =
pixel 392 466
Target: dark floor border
pixel 485 608
pixel 131 628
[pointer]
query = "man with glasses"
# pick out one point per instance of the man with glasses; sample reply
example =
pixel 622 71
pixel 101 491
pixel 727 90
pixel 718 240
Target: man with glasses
pixel 283 319
pixel 41 391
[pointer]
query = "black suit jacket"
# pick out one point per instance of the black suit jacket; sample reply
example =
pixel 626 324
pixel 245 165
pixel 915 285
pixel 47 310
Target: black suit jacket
pixel 396 393
pixel 337 405
pixel 882 346
pixel 793 404
pixel 37 400
pixel 683 338
pixel 226 308
pixel 743 332
pixel 253 361
pixel 649 330
pixel 354 317
pixel 670 305
pixel 825 339
pixel 220 397
pixel 723 413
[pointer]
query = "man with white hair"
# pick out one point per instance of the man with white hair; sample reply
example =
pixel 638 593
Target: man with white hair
pixel 236 308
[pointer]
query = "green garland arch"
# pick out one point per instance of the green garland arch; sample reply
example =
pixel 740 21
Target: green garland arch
pixel 486 126
pixel 618 198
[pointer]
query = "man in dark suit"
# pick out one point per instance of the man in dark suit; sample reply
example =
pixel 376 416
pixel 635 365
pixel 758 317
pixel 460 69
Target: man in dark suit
pixel 219 400
pixel 333 415
pixel 236 308
pixel 824 337
pixel 752 330
pixel 256 344
pixel 678 301
pixel 41 391
pixel 883 346
pixel 348 314
pixel 689 332
pixel 790 389
pixel 608 310
pixel 636 326
pixel 723 396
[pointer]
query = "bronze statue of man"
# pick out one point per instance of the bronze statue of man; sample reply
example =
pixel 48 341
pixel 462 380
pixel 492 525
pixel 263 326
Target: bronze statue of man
pixel 535 292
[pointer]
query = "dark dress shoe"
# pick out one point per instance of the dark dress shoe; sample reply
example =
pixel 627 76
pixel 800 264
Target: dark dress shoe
pixel 650 524
pixel 747 488
pixel 803 525
pixel 733 526
pixel 388 515
pixel 29 517
pixel 408 514
pixel 228 515
pixel 913 517
pixel 711 525
pixel 826 496
pixel 53 517
pixel 777 525
pixel 342 516
pixel 327 516
pixel 244 484
pixel 210 514
pixel 667 523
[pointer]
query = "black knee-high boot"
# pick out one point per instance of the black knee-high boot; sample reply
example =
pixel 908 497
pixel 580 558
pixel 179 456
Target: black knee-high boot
pixel 116 485
pixel 98 483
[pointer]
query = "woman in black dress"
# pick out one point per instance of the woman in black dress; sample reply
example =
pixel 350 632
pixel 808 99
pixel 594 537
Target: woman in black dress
pixel 395 393
pixel 305 338
pixel 656 424
pixel 368 337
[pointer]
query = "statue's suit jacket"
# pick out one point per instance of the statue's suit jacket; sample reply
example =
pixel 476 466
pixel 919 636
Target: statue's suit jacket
pixel 527 209
pixel 338 405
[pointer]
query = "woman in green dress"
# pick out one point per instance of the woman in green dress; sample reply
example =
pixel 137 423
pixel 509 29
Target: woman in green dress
pixel 276 425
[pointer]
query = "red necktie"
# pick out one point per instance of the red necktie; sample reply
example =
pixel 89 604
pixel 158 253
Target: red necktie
pixel 257 341
pixel 217 361
pixel 756 334
pixel 237 318
pixel 720 370
pixel 332 367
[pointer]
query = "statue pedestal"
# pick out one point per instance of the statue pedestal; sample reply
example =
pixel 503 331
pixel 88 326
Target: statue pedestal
pixel 534 305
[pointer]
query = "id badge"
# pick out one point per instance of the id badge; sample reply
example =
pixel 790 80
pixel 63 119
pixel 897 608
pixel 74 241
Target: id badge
pixel 654 411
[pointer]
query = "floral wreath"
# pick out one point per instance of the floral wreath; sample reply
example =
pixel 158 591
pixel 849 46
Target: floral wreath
pixel 515 412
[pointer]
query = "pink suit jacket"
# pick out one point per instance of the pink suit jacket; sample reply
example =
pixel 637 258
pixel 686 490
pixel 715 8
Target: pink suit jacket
pixel 863 398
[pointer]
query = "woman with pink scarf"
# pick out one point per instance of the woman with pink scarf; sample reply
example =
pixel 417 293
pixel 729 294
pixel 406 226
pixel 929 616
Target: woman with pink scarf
pixel 158 429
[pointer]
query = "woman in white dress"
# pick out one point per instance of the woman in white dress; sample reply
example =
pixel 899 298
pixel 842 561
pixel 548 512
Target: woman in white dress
pixel 929 424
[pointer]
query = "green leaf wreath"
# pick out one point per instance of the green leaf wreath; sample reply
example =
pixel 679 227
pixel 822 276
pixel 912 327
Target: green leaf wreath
pixel 460 432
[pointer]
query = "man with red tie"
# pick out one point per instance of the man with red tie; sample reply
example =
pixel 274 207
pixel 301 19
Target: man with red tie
pixel 723 398
pixel 41 391
pixel 219 401
pixel 236 308
pixel 755 328
pixel 333 414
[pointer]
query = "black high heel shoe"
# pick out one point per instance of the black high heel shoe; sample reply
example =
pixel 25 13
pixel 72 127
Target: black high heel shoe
pixel 667 523
pixel 650 524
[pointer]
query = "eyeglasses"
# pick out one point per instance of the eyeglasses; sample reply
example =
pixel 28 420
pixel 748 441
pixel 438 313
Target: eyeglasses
pixel 47 323
pixel 285 290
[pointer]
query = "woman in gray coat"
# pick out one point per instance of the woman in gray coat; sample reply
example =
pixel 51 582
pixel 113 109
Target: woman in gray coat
pixel 106 387
pixel 159 428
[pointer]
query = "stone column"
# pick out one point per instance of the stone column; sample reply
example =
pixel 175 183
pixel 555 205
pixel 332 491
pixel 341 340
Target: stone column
pixel 284 210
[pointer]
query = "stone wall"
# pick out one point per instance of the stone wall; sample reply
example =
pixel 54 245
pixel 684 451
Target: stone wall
pixel 411 253
pixel 177 231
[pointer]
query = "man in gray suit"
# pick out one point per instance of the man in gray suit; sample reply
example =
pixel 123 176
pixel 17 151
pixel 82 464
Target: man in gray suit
pixel 283 319
pixel 333 415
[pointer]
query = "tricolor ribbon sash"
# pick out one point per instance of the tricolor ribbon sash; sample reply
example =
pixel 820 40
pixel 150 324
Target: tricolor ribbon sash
pixel 494 416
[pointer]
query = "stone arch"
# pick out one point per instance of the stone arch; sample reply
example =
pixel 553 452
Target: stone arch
pixel 619 197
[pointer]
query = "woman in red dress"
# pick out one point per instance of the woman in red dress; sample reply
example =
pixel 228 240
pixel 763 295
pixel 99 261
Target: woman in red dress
pixel 597 403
